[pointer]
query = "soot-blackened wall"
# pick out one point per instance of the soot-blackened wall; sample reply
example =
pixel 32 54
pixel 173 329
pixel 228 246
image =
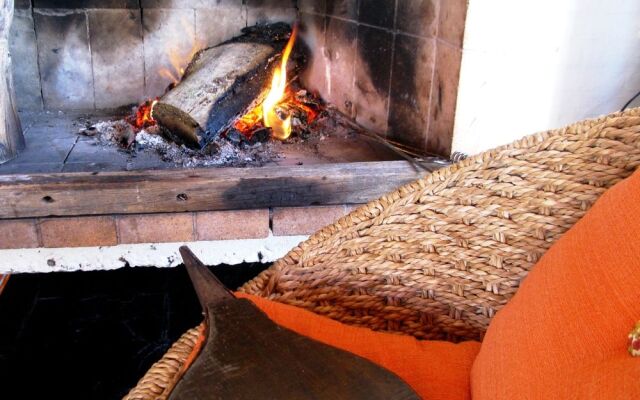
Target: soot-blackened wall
pixel 393 65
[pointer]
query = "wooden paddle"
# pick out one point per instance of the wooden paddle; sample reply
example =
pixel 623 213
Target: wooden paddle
pixel 247 356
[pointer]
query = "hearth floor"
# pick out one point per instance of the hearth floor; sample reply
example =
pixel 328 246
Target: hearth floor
pixel 54 146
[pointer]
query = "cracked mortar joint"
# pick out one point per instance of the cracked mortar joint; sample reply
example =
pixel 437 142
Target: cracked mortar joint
pixel 162 255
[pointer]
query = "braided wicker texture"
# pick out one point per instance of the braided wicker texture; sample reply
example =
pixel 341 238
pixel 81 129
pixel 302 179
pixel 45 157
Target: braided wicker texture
pixel 158 382
pixel 438 258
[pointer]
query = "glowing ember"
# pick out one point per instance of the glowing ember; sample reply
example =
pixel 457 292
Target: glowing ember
pixel 249 122
pixel 143 117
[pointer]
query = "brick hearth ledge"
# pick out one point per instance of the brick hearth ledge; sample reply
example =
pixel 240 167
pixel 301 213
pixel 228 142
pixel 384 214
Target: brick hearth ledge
pixel 115 241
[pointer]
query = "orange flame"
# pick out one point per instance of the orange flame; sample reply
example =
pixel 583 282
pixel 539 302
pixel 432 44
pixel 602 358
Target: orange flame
pixel 281 129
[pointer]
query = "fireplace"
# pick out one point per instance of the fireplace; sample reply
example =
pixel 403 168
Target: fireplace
pixel 386 73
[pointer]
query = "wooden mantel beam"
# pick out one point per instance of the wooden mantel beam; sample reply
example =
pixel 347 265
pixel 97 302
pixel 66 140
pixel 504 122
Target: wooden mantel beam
pixel 71 194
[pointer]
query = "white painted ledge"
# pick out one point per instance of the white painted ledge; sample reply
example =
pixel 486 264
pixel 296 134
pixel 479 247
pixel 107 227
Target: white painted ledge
pixel 148 254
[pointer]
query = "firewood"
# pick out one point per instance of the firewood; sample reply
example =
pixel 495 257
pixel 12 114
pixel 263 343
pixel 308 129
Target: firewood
pixel 219 84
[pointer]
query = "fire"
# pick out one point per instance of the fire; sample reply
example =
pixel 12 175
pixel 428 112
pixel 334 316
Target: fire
pixel 144 117
pixel 281 129
pixel 281 99
pixel 248 122
pixel 178 63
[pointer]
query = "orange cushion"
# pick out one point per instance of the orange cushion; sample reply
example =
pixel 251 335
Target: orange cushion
pixel 564 334
pixel 434 369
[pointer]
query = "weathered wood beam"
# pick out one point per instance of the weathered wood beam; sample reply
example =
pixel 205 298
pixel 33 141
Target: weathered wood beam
pixel 11 138
pixel 69 194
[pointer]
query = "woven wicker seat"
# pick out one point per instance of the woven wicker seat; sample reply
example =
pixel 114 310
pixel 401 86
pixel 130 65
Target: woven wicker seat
pixel 438 258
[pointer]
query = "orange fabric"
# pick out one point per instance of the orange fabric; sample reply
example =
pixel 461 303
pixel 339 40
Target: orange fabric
pixel 564 334
pixel 434 369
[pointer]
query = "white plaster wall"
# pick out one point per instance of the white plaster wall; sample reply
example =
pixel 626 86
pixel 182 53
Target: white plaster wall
pixel 529 66
pixel 149 254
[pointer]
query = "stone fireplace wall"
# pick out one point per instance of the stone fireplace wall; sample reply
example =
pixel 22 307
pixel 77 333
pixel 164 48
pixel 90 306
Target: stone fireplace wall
pixel 392 65
pixel 102 54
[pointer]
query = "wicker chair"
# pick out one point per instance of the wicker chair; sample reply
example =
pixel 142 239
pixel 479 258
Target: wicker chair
pixel 438 258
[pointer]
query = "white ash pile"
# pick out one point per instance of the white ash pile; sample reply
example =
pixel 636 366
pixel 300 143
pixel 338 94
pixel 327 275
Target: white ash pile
pixel 218 153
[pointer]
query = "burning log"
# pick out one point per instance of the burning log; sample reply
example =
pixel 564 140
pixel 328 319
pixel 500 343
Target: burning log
pixel 219 84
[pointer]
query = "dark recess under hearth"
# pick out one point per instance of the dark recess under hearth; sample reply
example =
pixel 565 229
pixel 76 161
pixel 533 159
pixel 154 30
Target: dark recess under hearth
pixel 92 335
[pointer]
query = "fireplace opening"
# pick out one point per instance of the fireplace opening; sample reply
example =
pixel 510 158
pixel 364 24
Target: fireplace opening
pixel 241 103
pixel 128 85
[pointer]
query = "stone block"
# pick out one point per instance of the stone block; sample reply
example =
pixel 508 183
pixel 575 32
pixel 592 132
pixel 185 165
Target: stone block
pixel 16 167
pixel 340 51
pixel 170 42
pixel 45 151
pixel 24 58
pixel 83 4
pixel 90 151
pixel 261 15
pixel 214 26
pixel 94 166
pixel 270 3
pixel 312 32
pixel 347 9
pixel 372 77
pixel 78 232
pixel 155 228
pixel 52 130
pixel 378 12
pixel 22 4
pixel 411 78
pixel 18 234
pixel 64 59
pixel 313 6
pixel 453 16
pixel 418 17
pixel 289 221
pixel 235 224
pixel 188 4
pixel 118 57
pixel 443 99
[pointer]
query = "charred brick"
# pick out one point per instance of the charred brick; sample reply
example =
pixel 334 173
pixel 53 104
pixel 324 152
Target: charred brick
pixel 410 90
pixel 378 12
pixel 343 8
pixel 418 17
